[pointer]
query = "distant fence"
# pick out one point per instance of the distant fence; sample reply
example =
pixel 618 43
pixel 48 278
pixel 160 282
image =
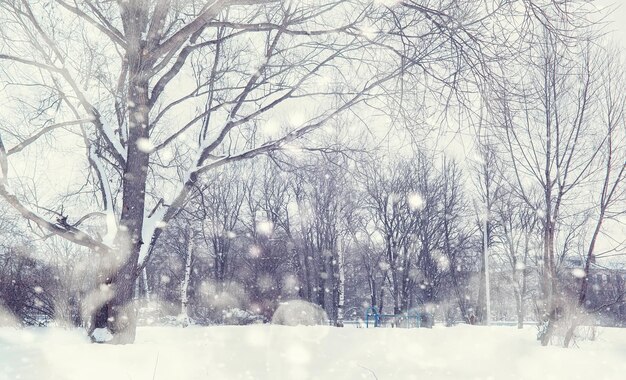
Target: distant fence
pixel 513 323
pixel 360 323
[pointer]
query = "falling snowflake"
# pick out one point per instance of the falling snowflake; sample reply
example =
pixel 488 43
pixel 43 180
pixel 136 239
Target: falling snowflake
pixel 578 273
pixel 415 201
pixel 265 227
pixel 145 145
pixel 255 251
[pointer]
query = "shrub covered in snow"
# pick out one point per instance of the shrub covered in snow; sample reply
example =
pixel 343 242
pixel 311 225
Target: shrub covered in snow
pixel 298 312
pixel 236 316
pixel 101 335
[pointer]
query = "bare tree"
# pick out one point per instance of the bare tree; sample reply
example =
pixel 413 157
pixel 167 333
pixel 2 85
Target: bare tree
pixel 519 239
pixel 322 200
pixel 457 234
pixel 612 195
pixel 268 258
pixel 550 144
pixel 489 183
pixel 150 58
pixel 220 205
pixel 394 199
pixel 369 249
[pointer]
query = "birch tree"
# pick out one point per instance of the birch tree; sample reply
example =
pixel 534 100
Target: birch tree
pixel 184 285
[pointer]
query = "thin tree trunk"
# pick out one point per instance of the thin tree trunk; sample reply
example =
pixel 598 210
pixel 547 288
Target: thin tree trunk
pixel 584 283
pixel 381 299
pixel 146 288
pixel 184 287
pixel 340 288
pixel 551 310
pixel 518 307
pixel 481 303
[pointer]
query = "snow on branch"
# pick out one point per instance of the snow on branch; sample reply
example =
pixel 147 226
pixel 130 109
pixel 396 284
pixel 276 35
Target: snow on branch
pixel 70 233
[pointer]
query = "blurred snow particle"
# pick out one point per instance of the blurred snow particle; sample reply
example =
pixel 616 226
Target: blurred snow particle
pixel 145 145
pixel 299 312
pixel 415 201
pixel 265 282
pixel 443 263
pixel 384 266
pixel 255 251
pixel 290 281
pixel 265 227
pixel 578 273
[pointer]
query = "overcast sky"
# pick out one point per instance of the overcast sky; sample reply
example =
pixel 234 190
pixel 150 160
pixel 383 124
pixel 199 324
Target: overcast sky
pixel 617 18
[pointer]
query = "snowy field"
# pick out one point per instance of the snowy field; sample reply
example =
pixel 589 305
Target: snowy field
pixel 277 352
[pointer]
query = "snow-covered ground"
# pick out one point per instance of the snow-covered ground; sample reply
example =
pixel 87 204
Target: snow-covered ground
pixel 279 352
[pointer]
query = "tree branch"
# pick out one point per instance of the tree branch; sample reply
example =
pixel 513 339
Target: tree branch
pixel 72 234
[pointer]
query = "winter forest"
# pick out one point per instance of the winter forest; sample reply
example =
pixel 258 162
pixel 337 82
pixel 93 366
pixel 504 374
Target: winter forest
pixel 306 170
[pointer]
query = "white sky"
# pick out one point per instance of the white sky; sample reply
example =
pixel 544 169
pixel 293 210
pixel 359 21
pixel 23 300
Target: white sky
pixel 616 16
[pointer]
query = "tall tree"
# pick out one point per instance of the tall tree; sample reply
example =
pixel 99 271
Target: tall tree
pixel 612 195
pixel 158 93
pixel 489 183
pixel 550 138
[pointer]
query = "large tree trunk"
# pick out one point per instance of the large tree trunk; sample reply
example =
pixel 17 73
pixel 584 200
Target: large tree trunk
pixel 121 310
